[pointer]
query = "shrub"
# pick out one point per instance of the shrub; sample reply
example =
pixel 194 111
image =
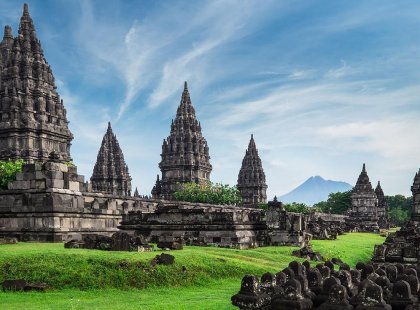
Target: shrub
pixel 297 207
pixel 208 192
pixel 8 170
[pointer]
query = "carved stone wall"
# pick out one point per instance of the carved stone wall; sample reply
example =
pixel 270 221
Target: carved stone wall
pixel 51 202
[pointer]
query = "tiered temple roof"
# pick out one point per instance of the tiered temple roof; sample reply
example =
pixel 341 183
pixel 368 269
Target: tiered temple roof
pixel 110 174
pixel 185 154
pixel 33 123
pixel 251 178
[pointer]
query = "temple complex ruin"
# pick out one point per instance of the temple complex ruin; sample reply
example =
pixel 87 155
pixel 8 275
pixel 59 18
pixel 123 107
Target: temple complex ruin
pixel 403 246
pixel 50 201
pixel 110 174
pixel 251 178
pixel 185 153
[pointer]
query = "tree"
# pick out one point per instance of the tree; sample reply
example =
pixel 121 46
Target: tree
pixel 399 208
pixel 337 203
pixel 297 207
pixel 208 192
pixel 8 170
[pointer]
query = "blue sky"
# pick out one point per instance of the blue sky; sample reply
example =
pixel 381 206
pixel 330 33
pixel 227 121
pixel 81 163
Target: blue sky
pixel 323 85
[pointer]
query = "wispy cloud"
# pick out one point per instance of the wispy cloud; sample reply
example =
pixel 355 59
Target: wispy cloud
pixel 323 88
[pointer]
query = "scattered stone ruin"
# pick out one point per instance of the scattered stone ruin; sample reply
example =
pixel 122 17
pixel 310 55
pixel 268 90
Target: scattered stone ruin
pixel 285 228
pixel 119 241
pixel 403 246
pixel 332 286
pixel 223 226
pixel 199 224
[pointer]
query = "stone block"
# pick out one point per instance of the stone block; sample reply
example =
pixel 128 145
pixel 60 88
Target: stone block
pixel 54 175
pixel 19 176
pixel 27 176
pixel 72 170
pixel 81 178
pixel 28 168
pixel 40 184
pixel 40 175
pixel 51 166
pixel 20 185
pixel 74 186
pixel 55 183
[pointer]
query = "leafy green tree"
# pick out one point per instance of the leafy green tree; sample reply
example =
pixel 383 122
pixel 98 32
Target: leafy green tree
pixel 8 170
pixel 337 203
pixel 214 193
pixel 399 208
pixel 297 207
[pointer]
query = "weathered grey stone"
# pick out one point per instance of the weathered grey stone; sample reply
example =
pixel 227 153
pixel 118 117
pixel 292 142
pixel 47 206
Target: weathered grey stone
pixel 14 285
pixel 8 241
pixel 163 259
pixel 250 295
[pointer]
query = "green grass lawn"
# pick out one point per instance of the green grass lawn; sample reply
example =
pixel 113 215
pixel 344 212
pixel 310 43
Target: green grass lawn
pixel 90 279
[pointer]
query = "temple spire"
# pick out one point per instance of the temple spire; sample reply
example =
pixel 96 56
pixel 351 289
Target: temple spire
pixel 110 174
pixel 364 168
pixel 38 113
pixel 185 154
pixel 251 178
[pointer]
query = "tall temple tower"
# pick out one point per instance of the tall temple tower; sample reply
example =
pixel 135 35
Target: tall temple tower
pixel 383 220
pixel 415 189
pixel 364 203
pixel 185 154
pixel 33 123
pixel 251 178
pixel 110 174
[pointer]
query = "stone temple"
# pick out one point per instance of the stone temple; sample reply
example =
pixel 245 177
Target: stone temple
pixel 185 154
pixel 364 203
pixel 33 123
pixel 251 178
pixel 110 174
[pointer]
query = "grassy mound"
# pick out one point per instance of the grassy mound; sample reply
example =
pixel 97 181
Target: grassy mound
pixel 89 269
pixel 90 279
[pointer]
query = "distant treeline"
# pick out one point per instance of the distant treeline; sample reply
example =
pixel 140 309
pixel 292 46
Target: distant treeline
pixel 340 202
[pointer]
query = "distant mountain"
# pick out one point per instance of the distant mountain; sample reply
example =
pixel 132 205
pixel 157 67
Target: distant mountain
pixel 314 189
